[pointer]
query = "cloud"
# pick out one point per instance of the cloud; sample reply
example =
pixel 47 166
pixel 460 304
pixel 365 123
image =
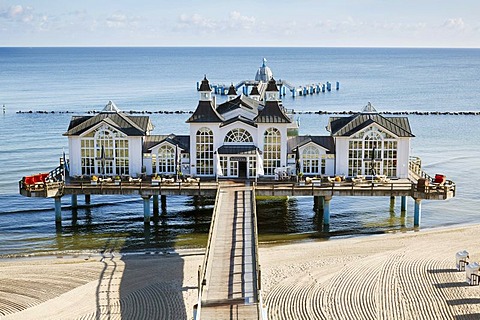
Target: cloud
pixel 18 13
pixel 454 23
pixel 121 20
pixel 201 24
pixel 236 20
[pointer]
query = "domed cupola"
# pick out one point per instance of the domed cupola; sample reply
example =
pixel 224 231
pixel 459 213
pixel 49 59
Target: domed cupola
pixel 264 74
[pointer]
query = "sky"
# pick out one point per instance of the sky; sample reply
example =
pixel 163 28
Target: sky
pixel 305 23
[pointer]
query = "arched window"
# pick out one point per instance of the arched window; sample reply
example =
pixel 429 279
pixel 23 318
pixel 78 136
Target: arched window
pixel 310 160
pixel 166 159
pixel 104 152
pixel 238 136
pixel 372 152
pixel 271 150
pixel 204 151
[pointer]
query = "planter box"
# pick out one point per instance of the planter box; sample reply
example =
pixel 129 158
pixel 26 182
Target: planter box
pixel 155 182
pixel 93 183
pixel 117 182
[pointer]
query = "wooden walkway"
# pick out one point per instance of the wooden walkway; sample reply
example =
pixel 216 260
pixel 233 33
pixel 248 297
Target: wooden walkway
pixel 228 284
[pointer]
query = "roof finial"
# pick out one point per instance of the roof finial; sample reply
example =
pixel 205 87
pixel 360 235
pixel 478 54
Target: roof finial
pixel 369 108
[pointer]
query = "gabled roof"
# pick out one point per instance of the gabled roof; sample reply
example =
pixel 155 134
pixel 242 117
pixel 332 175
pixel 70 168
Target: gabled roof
pixel 240 102
pixel 347 126
pixel 205 112
pixel 183 141
pixel 272 113
pixel 326 142
pixel 241 119
pixel 247 149
pixel 129 125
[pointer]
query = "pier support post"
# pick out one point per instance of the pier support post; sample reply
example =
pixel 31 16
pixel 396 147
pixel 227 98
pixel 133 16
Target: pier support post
pixel 164 203
pixel 155 205
pixel 58 210
pixel 326 211
pixel 418 213
pixel 392 203
pixel 403 205
pixel 318 203
pixel 87 199
pixel 146 209
pixel 74 201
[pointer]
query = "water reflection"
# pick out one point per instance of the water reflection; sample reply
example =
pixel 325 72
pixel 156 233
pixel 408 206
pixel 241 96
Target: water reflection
pixel 185 222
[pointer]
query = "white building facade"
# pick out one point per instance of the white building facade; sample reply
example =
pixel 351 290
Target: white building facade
pixel 243 137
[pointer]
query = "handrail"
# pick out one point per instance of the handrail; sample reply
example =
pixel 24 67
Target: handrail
pixel 203 270
pixel 257 264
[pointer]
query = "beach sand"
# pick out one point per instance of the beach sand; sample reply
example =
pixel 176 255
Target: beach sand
pixel 394 276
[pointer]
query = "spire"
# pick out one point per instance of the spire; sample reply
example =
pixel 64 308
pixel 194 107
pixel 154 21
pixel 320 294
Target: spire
pixel 271 92
pixel 205 85
pixel 205 90
pixel 255 94
pixel 232 93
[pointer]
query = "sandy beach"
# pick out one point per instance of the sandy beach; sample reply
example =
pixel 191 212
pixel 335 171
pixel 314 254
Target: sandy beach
pixel 394 276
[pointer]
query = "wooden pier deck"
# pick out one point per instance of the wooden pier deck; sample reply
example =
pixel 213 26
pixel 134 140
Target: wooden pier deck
pixel 400 187
pixel 228 281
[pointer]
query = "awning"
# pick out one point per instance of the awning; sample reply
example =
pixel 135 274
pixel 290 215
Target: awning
pixel 248 149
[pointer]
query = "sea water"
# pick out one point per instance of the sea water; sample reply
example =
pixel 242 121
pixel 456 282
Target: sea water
pixel 79 80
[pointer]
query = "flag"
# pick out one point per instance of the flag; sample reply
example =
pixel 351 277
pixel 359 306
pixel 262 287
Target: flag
pixel 260 171
pixel 65 163
pixel 219 166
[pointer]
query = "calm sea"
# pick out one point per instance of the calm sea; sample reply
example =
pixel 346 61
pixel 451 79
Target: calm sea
pixel 152 79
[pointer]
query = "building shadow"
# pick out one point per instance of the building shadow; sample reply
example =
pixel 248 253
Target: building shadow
pixel 464 301
pixel 473 316
pixel 141 286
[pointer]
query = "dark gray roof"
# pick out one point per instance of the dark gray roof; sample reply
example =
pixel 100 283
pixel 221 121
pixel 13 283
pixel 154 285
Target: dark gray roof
pixel 182 141
pixel 326 142
pixel 250 122
pixel 272 85
pixel 272 113
pixel 205 85
pixel 232 91
pixel 239 102
pixel 205 112
pixel 248 149
pixel 254 91
pixel 130 125
pixel 347 126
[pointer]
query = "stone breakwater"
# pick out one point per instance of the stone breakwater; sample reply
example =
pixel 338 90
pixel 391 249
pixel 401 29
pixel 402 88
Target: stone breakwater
pixel 319 112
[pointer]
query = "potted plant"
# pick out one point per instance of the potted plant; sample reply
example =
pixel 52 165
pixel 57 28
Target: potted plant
pixel 117 180
pixel 156 180
pixel 94 180
pixel 300 179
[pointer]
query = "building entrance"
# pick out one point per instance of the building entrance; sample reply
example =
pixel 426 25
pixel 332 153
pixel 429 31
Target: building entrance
pixel 242 169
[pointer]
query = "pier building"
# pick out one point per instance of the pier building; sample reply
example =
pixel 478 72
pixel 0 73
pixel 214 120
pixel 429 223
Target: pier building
pixel 236 150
